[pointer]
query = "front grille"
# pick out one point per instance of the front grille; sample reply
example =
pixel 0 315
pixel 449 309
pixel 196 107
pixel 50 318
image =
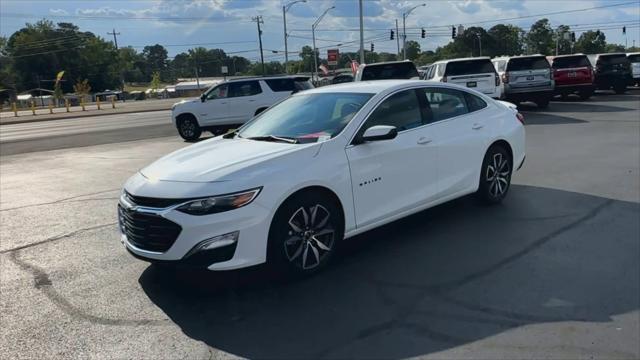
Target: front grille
pixel 153 202
pixel 148 231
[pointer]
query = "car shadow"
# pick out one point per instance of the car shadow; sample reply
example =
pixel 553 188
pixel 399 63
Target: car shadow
pixel 441 278
pixel 538 118
pixel 573 107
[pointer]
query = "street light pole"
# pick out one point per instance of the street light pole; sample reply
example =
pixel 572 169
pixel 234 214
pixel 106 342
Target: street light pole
pixel 286 8
pixel 313 35
pixel 404 30
pixel 362 60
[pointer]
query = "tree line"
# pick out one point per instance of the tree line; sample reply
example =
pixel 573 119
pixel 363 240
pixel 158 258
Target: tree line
pixel 32 56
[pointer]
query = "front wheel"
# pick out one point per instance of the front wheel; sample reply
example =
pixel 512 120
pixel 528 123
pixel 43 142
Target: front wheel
pixel 305 233
pixel 495 176
pixel 189 129
pixel 620 88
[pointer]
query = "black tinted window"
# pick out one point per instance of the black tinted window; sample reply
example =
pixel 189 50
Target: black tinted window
pixel 401 110
pixel 445 103
pixel 528 63
pixel 571 62
pixel 280 84
pixel 469 67
pixel 612 59
pixel 244 88
pixel 474 103
pixel 403 70
pixel 634 58
pixel 302 84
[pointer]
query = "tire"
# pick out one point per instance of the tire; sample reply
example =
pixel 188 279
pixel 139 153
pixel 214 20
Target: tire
pixel 620 88
pixel 494 186
pixel 543 103
pixel 295 243
pixel 188 128
pixel 585 95
pixel 564 96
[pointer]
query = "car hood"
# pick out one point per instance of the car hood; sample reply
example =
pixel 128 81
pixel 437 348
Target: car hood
pixel 220 159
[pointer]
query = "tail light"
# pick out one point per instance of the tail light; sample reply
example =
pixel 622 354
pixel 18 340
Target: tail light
pixel 497 80
pixel 444 79
pixel 505 78
pixel 520 118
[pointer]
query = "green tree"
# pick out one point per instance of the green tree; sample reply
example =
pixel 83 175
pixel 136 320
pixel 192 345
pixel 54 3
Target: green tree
pixel 613 48
pixel 540 38
pixel 82 88
pixel 591 42
pixel 413 50
pixel 155 57
pixel 507 39
pixel 563 38
pixel 307 59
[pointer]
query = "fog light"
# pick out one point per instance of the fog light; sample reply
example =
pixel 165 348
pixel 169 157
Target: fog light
pixel 215 242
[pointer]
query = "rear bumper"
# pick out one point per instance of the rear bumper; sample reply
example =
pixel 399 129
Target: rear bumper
pixel 510 89
pixel 571 88
pixel 529 95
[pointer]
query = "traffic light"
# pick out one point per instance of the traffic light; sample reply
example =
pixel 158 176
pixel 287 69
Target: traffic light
pixel 424 33
pixel 392 35
pixel 371 47
pixel 453 32
pixel 573 36
pixel 624 30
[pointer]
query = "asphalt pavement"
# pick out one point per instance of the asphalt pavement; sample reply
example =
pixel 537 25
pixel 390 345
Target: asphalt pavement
pixel 553 272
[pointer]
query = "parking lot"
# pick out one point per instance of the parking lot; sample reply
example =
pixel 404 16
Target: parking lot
pixel 553 272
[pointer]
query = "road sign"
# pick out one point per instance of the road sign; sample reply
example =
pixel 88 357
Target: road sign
pixel 332 57
pixel 224 70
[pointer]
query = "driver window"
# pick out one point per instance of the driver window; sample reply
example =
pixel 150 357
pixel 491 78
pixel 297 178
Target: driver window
pixel 445 103
pixel 219 92
pixel 401 110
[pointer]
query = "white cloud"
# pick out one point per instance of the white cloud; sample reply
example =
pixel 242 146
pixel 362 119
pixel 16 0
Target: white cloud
pixel 58 12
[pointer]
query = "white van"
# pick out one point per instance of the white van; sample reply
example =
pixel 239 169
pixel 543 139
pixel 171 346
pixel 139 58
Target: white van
pixel 232 103
pixel 475 73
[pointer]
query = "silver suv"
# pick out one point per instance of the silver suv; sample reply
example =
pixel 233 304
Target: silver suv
pixel 526 78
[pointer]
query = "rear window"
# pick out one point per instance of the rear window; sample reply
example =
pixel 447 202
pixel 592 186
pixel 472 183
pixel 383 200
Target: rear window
pixel 634 58
pixel 468 67
pixel 403 70
pixel 612 59
pixel 288 84
pixel 571 62
pixel 527 63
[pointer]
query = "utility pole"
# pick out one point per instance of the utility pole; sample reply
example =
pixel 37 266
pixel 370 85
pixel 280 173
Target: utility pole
pixel 362 60
pixel 479 43
pixel 115 42
pixel 258 20
pixel 397 38
pixel 115 37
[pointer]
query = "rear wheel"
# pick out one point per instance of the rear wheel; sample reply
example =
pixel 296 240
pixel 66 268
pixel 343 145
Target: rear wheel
pixel 620 88
pixel 495 176
pixel 543 103
pixel 305 233
pixel 585 94
pixel 188 128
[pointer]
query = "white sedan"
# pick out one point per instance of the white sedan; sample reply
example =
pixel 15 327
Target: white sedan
pixel 317 168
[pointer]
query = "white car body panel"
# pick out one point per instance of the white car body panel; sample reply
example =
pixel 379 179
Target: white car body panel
pixel 420 168
pixel 485 82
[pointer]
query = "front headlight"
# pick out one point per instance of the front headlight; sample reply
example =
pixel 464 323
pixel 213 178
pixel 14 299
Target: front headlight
pixel 216 204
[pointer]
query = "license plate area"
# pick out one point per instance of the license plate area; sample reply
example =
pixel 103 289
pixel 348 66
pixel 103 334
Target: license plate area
pixel 529 78
pixel 472 84
pixel 572 74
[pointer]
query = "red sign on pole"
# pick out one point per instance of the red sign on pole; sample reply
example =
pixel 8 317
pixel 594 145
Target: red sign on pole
pixel 332 57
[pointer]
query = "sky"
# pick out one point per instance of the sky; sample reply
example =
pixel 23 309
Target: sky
pixel 227 24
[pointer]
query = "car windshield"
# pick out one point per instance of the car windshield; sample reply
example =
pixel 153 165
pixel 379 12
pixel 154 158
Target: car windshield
pixel 612 59
pixel 468 67
pixel 634 58
pixel 306 117
pixel 570 62
pixel 528 63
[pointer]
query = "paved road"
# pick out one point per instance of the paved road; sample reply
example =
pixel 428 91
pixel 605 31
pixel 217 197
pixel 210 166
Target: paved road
pixel 554 272
pixel 68 133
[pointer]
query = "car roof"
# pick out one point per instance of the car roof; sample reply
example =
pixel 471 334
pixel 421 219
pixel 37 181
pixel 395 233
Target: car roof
pixel 388 63
pixel 373 87
pixel 463 59
pixel 568 55
pixel 517 57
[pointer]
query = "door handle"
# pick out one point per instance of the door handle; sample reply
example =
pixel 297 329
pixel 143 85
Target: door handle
pixel 424 141
pixel 477 126
pixel 251 100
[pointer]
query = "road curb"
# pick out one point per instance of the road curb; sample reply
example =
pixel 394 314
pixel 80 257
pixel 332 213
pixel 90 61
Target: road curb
pixel 78 116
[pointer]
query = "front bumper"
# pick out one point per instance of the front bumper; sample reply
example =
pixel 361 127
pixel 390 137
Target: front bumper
pixel 251 222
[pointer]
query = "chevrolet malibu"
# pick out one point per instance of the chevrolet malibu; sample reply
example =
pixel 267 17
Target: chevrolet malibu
pixel 317 168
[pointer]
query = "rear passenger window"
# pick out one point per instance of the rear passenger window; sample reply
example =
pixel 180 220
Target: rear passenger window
pixel 474 103
pixel 401 110
pixel 527 63
pixel 446 103
pixel 468 67
pixel 244 88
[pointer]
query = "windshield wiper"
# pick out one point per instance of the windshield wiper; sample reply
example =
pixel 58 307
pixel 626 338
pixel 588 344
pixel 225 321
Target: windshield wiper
pixel 286 139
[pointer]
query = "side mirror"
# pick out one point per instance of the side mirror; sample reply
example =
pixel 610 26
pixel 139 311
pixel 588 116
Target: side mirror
pixel 379 132
pixel 203 97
